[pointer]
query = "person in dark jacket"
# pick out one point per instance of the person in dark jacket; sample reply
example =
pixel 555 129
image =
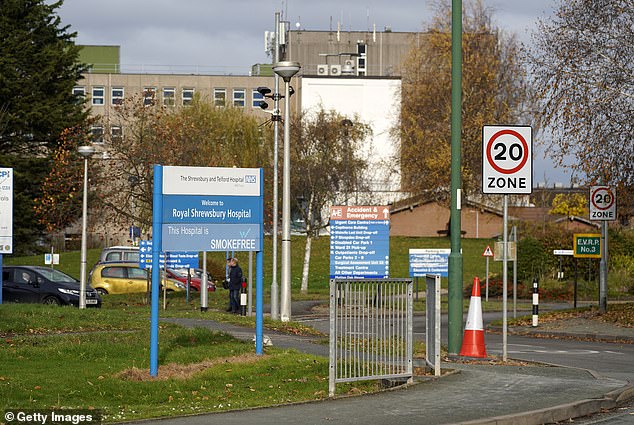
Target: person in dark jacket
pixel 235 284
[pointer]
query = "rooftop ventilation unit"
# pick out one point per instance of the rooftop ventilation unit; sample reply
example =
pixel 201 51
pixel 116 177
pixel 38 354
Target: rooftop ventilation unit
pixel 348 67
pixel 322 69
pixel 335 70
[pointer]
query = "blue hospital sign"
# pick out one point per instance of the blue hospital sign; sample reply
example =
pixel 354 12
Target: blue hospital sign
pixel 212 209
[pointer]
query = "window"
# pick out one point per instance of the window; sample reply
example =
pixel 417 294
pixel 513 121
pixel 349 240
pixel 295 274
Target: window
pixel 220 97
pixel 149 94
pixel 113 272
pixel 116 95
pixel 98 95
pixel 80 93
pixel 361 66
pixel 116 133
pixel 25 277
pixel 96 132
pixel 257 98
pixel 188 96
pixel 169 95
pixel 137 273
pixel 238 98
pixel 361 59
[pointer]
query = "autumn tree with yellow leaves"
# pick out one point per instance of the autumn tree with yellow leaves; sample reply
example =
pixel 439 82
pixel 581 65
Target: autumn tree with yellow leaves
pixel 59 203
pixel 494 92
pixel 570 204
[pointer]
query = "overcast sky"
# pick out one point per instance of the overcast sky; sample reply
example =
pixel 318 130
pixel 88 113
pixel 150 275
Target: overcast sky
pixel 227 36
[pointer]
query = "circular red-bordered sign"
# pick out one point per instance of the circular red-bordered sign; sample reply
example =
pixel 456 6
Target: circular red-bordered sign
pixel 597 192
pixel 523 160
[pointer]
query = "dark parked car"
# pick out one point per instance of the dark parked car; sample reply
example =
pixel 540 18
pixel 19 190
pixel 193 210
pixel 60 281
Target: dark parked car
pixel 33 284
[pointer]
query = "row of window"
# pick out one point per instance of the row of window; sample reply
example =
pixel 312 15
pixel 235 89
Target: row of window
pixel 97 133
pixel 117 94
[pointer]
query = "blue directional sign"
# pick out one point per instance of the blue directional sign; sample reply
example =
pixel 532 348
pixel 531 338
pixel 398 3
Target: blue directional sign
pixel 175 259
pixel 359 242
pixel 428 261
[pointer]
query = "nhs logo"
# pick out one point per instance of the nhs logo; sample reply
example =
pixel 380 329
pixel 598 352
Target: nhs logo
pixel 251 179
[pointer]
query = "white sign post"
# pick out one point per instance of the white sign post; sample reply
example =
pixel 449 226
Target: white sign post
pixel 603 208
pixel 488 253
pixel 507 169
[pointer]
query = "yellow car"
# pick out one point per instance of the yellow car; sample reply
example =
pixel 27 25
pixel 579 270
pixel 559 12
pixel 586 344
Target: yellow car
pixel 124 278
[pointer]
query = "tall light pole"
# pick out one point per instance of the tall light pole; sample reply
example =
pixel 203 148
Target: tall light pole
pixel 86 152
pixel 454 334
pixel 286 70
pixel 275 310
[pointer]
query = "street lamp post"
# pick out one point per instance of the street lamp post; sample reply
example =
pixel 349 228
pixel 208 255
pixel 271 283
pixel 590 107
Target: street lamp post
pixel 86 152
pixel 286 70
pixel 133 180
pixel 275 310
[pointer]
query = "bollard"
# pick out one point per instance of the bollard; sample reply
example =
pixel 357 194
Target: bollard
pixel 535 302
pixel 243 299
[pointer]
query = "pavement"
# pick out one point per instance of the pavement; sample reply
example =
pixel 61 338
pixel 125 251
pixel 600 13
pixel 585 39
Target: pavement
pixel 471 394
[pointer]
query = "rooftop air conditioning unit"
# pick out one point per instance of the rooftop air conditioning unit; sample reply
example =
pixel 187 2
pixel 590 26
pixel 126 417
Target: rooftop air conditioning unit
pixel 335 70
pixel 322 70
pixel 348 67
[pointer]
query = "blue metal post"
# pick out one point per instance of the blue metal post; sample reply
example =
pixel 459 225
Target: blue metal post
pixel 259 304
pixel 157 218
pixel 259 286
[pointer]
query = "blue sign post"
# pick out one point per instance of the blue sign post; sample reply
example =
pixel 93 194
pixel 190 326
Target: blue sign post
pixel 207 209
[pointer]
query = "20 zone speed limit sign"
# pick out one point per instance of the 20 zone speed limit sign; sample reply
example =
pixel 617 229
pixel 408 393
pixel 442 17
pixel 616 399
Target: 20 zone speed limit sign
pixel 507 165
pixel 602 203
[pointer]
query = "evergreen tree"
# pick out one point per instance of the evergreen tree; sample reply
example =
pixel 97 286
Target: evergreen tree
pixel 38 69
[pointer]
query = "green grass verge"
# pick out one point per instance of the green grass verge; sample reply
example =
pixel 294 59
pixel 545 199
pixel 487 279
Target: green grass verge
pixel 61 365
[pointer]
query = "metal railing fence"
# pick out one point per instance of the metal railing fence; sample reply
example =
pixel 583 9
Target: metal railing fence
pixel 371 330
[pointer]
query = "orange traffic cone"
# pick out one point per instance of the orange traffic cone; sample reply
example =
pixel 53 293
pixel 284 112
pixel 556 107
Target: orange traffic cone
pixel 473 341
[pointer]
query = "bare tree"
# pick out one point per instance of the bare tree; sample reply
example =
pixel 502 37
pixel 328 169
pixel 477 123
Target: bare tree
pixel 328 167
pixel 584 78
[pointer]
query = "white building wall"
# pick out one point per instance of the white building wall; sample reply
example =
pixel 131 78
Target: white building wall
pixel 376 102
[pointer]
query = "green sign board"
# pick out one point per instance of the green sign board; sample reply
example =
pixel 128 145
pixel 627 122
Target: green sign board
pixel 587 245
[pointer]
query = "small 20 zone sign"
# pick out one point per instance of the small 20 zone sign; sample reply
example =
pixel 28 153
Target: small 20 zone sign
pixel 507 166
pixel 602 203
